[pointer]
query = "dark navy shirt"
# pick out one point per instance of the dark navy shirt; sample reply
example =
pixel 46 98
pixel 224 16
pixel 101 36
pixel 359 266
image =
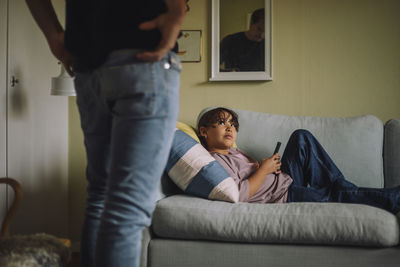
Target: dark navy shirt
pixel 238 53
pixel 94 28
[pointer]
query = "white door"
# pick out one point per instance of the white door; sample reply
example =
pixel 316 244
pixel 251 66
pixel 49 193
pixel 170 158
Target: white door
pixel 3 105
pixel 37 126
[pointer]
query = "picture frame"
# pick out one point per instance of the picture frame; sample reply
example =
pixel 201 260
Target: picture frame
pixel 189 45
pixel 219 75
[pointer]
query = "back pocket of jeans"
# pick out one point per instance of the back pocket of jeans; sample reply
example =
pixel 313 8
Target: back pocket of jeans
pixel 131 88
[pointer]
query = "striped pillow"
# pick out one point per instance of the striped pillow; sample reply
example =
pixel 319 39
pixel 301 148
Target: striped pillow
pixel 192 168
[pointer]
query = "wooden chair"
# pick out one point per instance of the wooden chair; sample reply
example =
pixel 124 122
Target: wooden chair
pixel 11 212
pixel 29 248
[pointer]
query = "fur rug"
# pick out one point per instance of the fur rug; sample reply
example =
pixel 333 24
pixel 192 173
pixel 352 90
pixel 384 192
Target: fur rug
pixel 33 251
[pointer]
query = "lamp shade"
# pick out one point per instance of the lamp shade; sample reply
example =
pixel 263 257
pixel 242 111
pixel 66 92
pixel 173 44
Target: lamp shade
pixel 63 85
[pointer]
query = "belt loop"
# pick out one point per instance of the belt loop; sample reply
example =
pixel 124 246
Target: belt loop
pixel 174 61
pixel 167 64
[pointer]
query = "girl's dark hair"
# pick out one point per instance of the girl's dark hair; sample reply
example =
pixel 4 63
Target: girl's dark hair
pixel 214 116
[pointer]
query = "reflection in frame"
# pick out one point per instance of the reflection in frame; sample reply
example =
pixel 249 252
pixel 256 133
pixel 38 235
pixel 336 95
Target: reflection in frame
pixel 235 21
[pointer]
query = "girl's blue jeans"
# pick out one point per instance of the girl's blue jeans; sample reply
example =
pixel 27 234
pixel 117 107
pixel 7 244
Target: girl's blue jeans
pixel 128 111
pixel 316 178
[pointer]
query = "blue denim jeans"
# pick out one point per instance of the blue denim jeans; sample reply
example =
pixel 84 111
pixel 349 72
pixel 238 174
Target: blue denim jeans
pixel 316 178
pixel 128 113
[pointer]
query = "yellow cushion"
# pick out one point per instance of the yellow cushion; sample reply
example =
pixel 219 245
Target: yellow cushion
pixel 189 130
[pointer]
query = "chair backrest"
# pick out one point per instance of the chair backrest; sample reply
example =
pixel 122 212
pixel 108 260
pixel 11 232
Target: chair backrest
pixel 11 212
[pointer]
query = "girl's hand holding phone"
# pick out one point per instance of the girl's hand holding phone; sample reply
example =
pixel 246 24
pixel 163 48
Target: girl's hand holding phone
pixel 272 164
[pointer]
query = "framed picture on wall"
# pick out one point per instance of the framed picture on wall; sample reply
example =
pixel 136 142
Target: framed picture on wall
pixel 189 45
pixel 244 62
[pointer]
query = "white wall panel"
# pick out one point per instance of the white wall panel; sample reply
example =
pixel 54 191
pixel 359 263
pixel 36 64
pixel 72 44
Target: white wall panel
pixel 3 102
pixel 37 128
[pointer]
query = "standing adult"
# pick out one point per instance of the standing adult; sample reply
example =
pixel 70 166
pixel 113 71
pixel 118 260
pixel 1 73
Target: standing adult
pixel 127 82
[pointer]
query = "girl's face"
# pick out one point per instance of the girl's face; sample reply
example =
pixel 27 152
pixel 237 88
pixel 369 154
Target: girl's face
pixel 220 135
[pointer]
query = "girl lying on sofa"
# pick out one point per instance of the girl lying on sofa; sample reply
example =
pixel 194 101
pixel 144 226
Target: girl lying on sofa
pixel 306 173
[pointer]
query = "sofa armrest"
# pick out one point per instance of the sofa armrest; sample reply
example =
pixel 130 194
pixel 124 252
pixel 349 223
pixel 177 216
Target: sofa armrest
pixel 391 153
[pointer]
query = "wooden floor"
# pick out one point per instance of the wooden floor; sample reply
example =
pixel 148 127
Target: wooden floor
pixel 74 260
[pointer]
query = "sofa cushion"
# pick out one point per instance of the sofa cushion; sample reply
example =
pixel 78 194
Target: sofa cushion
pixel 187 217
pixel 189 130
pixel 354 143
pixel 192 168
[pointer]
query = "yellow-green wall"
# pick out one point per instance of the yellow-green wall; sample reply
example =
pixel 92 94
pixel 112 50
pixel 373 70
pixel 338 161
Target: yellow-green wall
pixel 333 58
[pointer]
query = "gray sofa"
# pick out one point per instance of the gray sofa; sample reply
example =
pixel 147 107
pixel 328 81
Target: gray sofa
pixel 196 232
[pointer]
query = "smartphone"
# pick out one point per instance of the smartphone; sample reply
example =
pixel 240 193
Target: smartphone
pixel 278 146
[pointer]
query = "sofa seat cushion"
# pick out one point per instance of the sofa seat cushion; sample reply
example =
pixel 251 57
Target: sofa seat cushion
pixel 187 217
